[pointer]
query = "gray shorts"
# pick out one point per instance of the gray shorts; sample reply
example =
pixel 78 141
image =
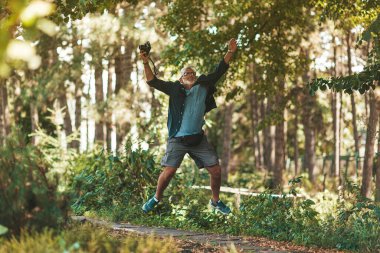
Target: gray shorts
pixel 204 154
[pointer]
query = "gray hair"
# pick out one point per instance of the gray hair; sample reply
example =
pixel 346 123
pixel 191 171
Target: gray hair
pixel 183 70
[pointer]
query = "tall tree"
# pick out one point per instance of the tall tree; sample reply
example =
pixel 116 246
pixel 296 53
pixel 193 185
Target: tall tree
pixel 109 111
pixel 2 124
pixel 309 125
pixel 78 111
pixel 227 140
pixel 65 110
pixel 76 75
pixel 279 166
pixel 4 111
pixel 377 189
pixel 268 137
pixel 370 143
pixel 99 98
pixel 34 122
pixel 296 150
pixel 123 70
pixel 253 98
pixel 352 96
pixel 336 103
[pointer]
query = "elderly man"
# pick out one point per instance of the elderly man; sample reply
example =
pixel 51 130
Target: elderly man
pixel 190 99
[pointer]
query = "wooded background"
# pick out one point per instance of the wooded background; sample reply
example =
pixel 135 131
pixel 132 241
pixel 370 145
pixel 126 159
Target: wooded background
pixel 300 95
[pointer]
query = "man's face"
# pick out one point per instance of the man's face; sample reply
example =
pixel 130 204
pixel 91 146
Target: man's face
pixel 189 77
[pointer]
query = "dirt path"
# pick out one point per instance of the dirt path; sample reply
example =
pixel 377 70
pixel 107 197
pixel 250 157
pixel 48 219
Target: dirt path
pixel 207 242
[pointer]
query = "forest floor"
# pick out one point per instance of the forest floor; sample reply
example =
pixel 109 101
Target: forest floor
pixel 189 241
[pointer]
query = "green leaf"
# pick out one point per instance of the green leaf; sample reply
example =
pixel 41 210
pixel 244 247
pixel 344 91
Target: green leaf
pixel 348 91
pixel 377 212
pixel 3 230
pixel 295 180
pixel 309 202
pixel 360 205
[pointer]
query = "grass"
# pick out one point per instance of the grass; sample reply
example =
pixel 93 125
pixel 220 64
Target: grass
pixel 84 238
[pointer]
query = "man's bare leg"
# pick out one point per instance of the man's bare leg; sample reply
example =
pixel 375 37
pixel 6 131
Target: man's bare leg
pixel 164 180
pixel 215 181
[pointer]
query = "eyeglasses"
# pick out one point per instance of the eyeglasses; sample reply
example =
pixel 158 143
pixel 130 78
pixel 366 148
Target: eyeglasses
pixel 189 74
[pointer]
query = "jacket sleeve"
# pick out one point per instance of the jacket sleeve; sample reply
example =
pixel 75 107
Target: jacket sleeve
pixel 212 78
pixel 164 86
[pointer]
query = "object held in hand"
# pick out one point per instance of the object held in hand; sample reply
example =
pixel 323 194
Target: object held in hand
pixel 145 48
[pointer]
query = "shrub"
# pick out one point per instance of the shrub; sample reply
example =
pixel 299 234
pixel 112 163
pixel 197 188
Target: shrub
pixel 28 194
pixel 103 180
pixel 280 218
pixel 357 223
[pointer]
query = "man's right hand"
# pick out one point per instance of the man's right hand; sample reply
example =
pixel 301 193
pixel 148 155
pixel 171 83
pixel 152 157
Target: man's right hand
pixel 148 72
pixel 144 57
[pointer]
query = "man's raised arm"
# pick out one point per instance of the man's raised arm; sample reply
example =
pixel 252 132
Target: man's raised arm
pixel 232 47
pixel 152 80
pixel 222 67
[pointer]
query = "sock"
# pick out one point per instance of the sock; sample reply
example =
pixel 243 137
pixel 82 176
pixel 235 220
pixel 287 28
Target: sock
pixel 155 199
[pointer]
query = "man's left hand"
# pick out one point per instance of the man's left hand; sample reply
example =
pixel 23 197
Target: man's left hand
pixel 232 45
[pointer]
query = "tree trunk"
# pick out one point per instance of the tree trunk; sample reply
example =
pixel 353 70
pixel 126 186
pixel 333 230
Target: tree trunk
pixel 78 111
pixel 78 53
pixel 309 103
pixel 109 110
pixel 377 191
pixel 309 132
pixel 279 144
pixel 268 140
pixel 366 103
pixel 273 147
pixel 336 118
pixel 256 150
pixel 354 124
pixel 87 117
pixel 310 149
pixel 258 139
pixel 261 113
pixel 3 135
pixel 369 146
pixel 296 151
pixel 227 140
pixel 337 105
pixel 34 122
pixel 353 106
pixel 123 66
pixel 123 70
pixel 99 98
pixel 254 120
pixel 279 154
pixel 17 104
pixel 66 115
pixel 4 111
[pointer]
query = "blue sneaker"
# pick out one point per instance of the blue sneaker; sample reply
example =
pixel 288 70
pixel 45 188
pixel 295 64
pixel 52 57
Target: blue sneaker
pixel 220 207
pixel 150 204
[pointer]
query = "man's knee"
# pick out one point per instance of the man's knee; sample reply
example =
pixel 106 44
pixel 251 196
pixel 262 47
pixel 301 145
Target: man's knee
pixel 215 170
pixel 169 171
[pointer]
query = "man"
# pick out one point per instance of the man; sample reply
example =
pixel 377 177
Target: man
pixel 190 99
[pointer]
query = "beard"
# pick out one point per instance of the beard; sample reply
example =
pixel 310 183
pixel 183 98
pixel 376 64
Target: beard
pixel 189 82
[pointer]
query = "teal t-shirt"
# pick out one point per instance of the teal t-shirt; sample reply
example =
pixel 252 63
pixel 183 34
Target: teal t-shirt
pixel 194 111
